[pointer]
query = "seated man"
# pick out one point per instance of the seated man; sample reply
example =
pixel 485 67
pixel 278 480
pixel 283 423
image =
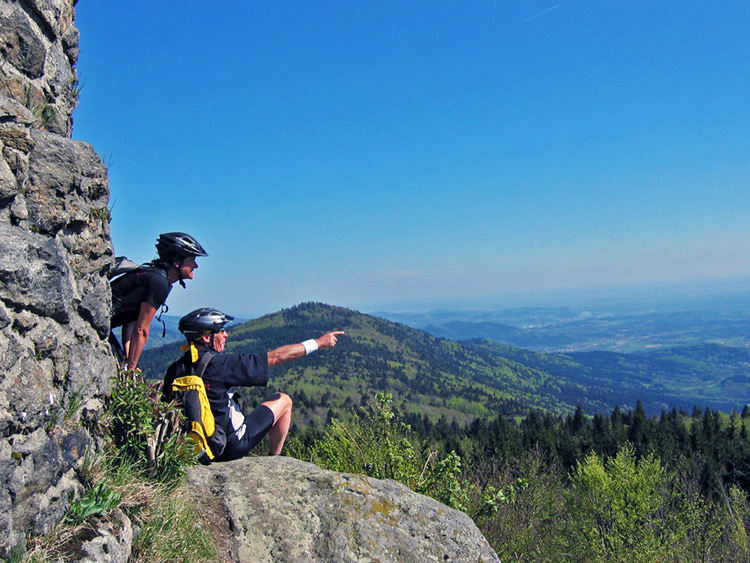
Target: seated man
pixel 204 331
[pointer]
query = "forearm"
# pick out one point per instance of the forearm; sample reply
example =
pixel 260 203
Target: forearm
pixel 294 351
pixel 137 344
pixel 140 334
pixel 285 354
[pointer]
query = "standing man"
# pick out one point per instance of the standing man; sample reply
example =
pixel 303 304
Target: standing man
pixel 137 295
pixel 205 334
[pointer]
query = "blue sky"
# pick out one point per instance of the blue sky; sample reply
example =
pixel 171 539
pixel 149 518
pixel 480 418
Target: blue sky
pixel 378 154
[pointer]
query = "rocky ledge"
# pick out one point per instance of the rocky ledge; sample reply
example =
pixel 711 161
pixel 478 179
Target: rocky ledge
pixel 283 509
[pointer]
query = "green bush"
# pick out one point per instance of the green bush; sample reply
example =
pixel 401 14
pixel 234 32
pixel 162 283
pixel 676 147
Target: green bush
pixel 146 431
pixel 96 502
pixel 614 508
pixel 380 445
pixel 633 510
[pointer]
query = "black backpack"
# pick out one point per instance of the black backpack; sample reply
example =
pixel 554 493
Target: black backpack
pixel 189 392
pixel 124 266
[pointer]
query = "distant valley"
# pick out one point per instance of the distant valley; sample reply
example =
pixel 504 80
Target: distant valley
pixel 565 330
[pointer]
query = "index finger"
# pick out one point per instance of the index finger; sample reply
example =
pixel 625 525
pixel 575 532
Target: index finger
pixel 337 332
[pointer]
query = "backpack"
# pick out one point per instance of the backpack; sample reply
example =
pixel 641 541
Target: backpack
pixel 189 392
pixel 122 265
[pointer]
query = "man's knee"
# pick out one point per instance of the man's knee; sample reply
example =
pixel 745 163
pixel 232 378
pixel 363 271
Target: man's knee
pixel 282 398
pixel 279 403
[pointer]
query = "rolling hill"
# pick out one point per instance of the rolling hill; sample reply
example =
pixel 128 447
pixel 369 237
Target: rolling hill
pixel 427 375
pixel 461 380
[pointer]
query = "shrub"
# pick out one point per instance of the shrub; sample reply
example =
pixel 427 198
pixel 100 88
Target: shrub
pixel 145 431
pixel 521 510
pixel 378 444
pixel 96 502
pixel 614 508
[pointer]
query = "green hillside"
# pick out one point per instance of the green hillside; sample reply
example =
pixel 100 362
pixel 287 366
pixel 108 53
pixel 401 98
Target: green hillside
pixel 427 375
pixel 464 380
pixel 703 375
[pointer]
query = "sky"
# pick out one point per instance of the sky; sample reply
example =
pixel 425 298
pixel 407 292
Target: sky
pixel 391 154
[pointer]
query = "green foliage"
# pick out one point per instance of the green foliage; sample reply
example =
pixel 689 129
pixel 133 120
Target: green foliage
pixel 526 519
pixel 96 502
pixel 146 431
pixel 615 505
pixel 628 510
pixel 738 518
pixel 381 446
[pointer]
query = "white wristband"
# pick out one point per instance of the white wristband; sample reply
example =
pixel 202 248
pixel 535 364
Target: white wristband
pixel 310 346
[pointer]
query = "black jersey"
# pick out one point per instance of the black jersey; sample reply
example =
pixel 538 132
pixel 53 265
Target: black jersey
pixel 223 373
pixel 146 285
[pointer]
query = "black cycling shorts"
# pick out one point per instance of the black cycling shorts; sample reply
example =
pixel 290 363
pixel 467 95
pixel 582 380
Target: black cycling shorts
pixel 257 425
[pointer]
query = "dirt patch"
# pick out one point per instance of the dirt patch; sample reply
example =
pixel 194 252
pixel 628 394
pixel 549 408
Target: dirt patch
pixel 218 521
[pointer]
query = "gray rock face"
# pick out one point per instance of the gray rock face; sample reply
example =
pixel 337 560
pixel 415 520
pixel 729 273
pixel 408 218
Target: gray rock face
pixel 38 47
pixel 54 251
pixel 283 509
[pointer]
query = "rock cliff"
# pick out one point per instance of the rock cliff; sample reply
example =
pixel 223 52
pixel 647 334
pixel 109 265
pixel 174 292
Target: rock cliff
pixel 54 251
pixel 282 509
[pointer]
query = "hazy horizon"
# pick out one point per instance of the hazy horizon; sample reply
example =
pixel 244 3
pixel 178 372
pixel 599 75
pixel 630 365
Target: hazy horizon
pixel 716 295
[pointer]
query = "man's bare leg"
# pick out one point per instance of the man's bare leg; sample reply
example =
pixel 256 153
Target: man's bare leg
pixel 281 407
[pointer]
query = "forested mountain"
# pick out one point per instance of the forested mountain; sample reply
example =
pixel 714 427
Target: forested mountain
pixel 462 381
pixel 427 375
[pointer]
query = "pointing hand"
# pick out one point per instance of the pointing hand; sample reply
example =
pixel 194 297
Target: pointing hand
pixel 329 340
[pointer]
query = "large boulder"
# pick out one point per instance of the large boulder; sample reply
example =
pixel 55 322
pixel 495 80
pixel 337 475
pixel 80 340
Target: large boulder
pixel 283 509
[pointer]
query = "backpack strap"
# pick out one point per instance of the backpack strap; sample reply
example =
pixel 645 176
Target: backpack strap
pixel 203 362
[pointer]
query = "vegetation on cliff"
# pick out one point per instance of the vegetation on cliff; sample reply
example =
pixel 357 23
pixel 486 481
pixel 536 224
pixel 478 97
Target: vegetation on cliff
pixel 135 480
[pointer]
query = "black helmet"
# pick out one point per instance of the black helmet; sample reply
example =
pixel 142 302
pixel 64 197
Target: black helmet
pixel 203 320
pixel 178 245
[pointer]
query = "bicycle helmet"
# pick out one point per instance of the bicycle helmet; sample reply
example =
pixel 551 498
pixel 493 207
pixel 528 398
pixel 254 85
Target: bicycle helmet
pixel 200 321
pixel 178 245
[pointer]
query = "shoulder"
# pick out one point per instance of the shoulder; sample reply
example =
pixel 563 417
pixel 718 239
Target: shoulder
pixel 155 276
